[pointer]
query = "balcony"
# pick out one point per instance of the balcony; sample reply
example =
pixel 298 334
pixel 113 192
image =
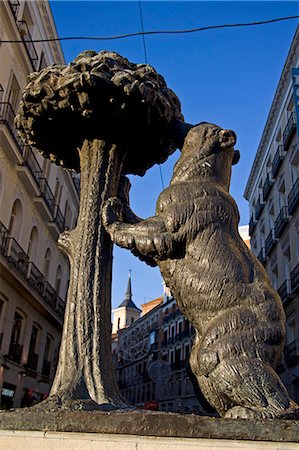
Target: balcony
pixel 293 198
pixel 289 131
pixel 267 186
pixel 3 238
pixel 15 255
pixel 291 353
pixel 270 243
pixel 27 39
pixel 262 256
pixel 7 117
pixel 76 181
pixel 50 295
pixel 259 208
pixel 252 225
pixel 170 341
pixel 295 279
pixel 36 279
pixel 285 291
pixel 15 352
pixel 14 6
pixel 46 371
pixel 46 202
pixel 30 171
pixel 281 222
pixel 59 219
pixel 32 362
pixel 277 160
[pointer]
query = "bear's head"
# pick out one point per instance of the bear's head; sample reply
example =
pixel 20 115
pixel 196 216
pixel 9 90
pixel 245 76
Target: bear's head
pixel 208 154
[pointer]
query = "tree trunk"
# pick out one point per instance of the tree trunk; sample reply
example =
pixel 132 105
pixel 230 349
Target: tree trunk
pixel 85 375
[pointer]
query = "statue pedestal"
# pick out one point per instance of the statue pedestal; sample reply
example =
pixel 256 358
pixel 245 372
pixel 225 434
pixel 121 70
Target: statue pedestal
pixel 37 440
pixel 140 430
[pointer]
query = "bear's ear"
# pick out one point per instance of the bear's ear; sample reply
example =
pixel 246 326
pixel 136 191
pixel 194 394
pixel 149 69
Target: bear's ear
pixel 236 157
pixel 227 138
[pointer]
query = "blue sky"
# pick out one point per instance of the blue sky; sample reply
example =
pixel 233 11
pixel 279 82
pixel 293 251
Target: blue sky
pixel 226 76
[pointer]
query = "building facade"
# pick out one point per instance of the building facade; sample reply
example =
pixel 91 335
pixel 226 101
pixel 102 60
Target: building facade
pixel 38 201
pixel 273 194
pixel 151 356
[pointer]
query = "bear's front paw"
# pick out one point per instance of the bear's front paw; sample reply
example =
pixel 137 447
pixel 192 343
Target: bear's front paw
pixel 112 212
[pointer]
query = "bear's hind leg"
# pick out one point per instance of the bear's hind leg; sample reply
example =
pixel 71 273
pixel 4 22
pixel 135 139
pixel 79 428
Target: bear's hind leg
pixel 253 387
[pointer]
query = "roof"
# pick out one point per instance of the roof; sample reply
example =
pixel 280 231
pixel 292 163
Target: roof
pixel 128 302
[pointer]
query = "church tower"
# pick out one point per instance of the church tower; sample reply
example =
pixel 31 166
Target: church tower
pixel 127 312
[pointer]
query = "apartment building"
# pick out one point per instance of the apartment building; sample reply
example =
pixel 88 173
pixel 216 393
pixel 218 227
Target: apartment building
pixel 151 354
pixel 38 202
pixel 273 194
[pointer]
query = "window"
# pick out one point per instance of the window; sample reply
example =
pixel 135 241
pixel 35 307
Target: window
pixel 68 216
pixel 58 190
pixel 48 347
pixel 47 263
pixel 274 272
pixel 282 196
pixel 43 63
pixel 33 245
pixel 118 323
pixel 14 94
pixel 34 339
pixel 58 279
pixel 17 328
pixel 16 217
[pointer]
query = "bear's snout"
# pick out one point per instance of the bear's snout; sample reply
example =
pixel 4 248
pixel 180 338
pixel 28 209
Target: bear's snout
pixel 227 138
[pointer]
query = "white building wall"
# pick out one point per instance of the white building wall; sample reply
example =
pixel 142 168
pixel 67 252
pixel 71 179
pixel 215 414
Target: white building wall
pixel 33 284
pixel 274 210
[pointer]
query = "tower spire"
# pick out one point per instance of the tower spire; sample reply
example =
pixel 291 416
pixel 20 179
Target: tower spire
pixel 128 302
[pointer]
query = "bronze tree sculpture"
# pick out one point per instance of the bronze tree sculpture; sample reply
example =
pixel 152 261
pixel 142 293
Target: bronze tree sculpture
pixel 218 283
pixel 104 116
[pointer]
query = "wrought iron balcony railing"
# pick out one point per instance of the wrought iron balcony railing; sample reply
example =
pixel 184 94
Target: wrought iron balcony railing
pixel 15 352
pixel 262 256
pixel 295 279
pixel 76 181
pixel 267 186
pixel 28 42
pixel 291 353
pixel 270 243
pixel 3 238
pixel 293 198
pixel 59 219
pixel 259 208
pixel 252 225
pixel 46 368
pixel 281 221
pixel 17 257
pixel 14 6
pixel 289 131
pixel 32 361
pixel 47 195
pixel 31 162
pixel 36 278
pixel 7 116
pixel 277 160
pixel 285 291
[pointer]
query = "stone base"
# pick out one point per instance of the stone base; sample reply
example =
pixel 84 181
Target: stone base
pixel 37 440
pixel 140 430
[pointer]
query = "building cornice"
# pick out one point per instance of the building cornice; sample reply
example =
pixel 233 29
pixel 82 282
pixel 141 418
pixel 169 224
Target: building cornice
pixel 279 97
pixel 51 30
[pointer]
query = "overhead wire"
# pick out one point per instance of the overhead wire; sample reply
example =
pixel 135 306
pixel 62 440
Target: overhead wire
pixel 146 60
pixel 154 32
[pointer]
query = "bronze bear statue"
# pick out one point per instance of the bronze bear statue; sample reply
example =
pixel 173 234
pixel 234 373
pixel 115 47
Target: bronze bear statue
pixel 219 285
